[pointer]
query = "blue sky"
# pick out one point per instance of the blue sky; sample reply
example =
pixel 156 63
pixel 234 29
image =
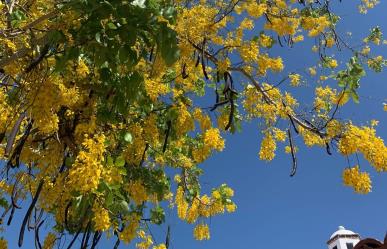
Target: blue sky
pixel 275 210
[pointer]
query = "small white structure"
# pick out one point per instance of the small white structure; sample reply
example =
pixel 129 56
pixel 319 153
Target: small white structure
pixel 343 239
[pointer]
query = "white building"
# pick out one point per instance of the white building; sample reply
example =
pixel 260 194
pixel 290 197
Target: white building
pixel 343 239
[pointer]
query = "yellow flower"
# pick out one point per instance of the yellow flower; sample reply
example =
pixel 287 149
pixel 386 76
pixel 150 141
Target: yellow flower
pixel 137 191
pixel 364 140
pixel 330 42
pixel 374 122
pixel 3 242
pixel 181 203
pixel 366 50
pixel 129 232
pixel 101 218
pixel 146 240
pixel 288 149
pixel 202 232
pixel 213 140
pixel 298 38
pixel 49 241
pixel 360 181
pixel 193 211
pixel 231 208
pixel 332 63
pixel 82 69
pixel 294 79
pixel 268 147
pixel 85 173
pixel 160 246
pixel 265 40
pixel 312 71
pixel 223 65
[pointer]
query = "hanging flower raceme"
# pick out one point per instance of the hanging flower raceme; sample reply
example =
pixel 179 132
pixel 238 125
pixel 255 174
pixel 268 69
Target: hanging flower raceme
pixel 359 181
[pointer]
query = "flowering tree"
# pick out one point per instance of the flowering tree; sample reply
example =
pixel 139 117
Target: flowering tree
pixel 99 97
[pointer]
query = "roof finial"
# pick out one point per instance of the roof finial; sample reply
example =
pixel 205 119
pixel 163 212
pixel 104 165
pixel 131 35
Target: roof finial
pixel 341 228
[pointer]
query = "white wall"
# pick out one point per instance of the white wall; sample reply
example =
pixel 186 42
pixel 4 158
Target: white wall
pixel 341 243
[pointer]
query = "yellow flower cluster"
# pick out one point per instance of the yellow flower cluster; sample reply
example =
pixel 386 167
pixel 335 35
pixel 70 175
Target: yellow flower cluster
pixel 253 8
pixel 367 4
pixel 49 241
pixel 283 25
pixel 315 25
pixel 160 246
pixel 204 120
pixel 137 191
pixel 146 240
pixel 288 149
pixel 129 232
pixel 332 63
pixel 329 42
pixel 324 97
pixel 265 63
pixel 312 71
pixel 204 206
pixel 265 40
pixel 364 140
pixel 213 140
pixel 135 150
pixel 279 134
pixel 294 79
pixel 202 16
pixel 268 147
pixel 5 111
pixel 84 175
pixel 151 132
pixel 249 51
pixel 359 181
pixel 256 105
pixel 3 243
pixel 111 175
pixel 100 218
pixel 181 203
pixel 8 44
pixel 310 138
pixel 202 232
pixel 223 65
pixel 82 69
pixel 334 128
pixel 155 87
pixel 185 122
pixel 193 211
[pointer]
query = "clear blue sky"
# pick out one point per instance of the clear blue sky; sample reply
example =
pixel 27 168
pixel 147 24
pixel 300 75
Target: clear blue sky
pixel 274 210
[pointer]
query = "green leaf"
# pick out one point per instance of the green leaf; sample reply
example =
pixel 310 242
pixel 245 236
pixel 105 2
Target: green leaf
pixel 120 161
pixel 128 137
pixel 355 97
pixel 126 54
pixel 168 45
pixel 109 161
pixel 111 25
pixel 122 207
pixel 157 215
pixel 139 3
pixel 98 37
pixel 69 161
pixel 3 202
pixel 55 37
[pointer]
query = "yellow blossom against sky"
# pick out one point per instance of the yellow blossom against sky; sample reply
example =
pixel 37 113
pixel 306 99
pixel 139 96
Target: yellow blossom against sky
pixel 103 103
